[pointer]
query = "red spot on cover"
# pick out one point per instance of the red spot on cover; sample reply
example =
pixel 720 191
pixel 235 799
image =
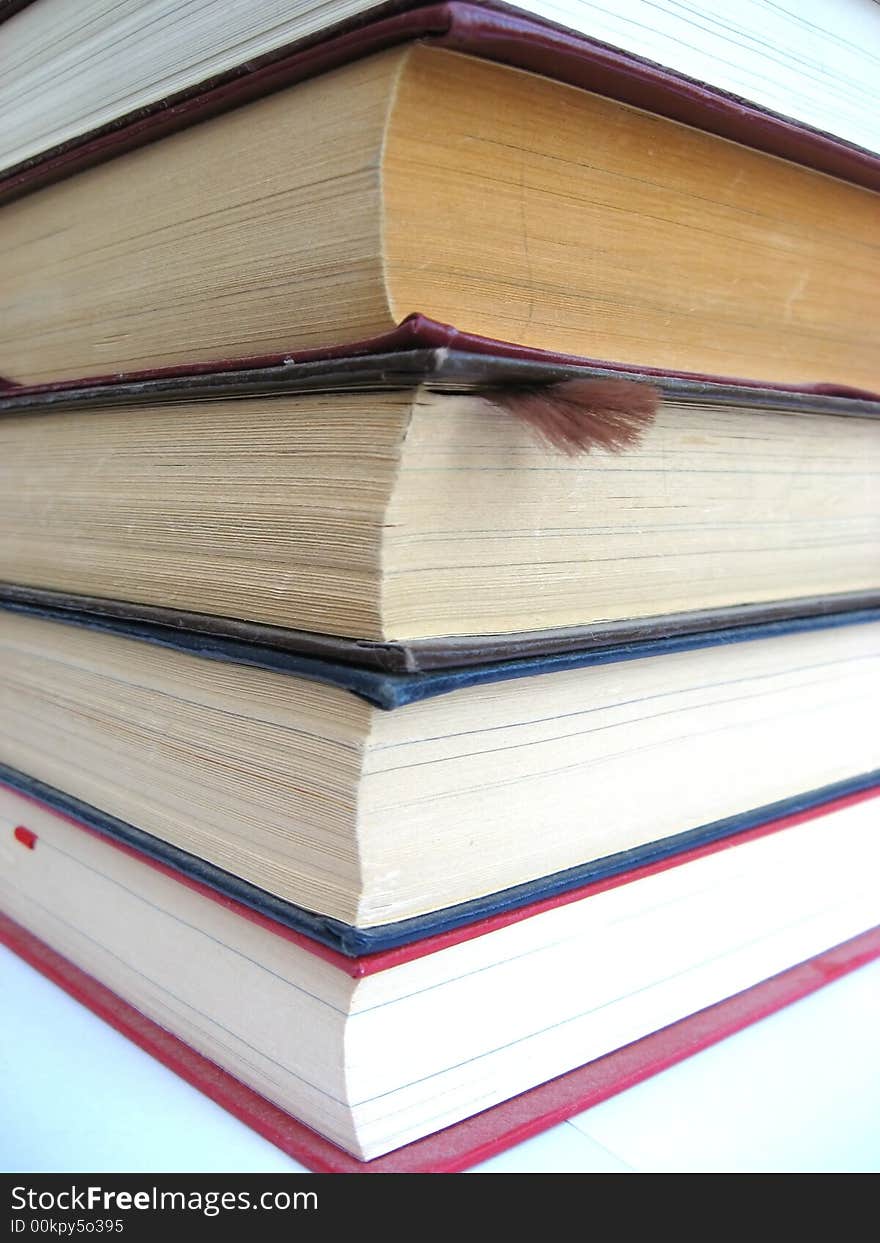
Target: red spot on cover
pixel 26 836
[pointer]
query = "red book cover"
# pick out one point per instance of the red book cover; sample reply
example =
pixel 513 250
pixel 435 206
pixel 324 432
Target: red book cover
pixel 466 1143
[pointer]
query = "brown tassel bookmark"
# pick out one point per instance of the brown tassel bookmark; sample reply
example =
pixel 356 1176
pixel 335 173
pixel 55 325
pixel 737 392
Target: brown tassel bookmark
pixel 576 416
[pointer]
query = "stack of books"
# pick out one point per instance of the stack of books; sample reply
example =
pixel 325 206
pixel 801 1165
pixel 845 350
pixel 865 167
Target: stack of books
pixel 440 556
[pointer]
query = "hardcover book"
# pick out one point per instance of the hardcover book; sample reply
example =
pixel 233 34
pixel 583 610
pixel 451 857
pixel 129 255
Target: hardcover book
pixel 425 179
pixel 440 504
pixel 371 799
pixel 375 1053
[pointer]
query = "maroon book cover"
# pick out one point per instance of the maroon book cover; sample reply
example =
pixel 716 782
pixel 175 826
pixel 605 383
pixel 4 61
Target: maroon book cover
pixel 413 337
pixel 498 34
pixel 492 33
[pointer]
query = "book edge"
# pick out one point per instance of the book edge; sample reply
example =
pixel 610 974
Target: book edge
pixel 482 1135
pixel 435 655
pixel 345 665
pixel 359 952
pixel 499 33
